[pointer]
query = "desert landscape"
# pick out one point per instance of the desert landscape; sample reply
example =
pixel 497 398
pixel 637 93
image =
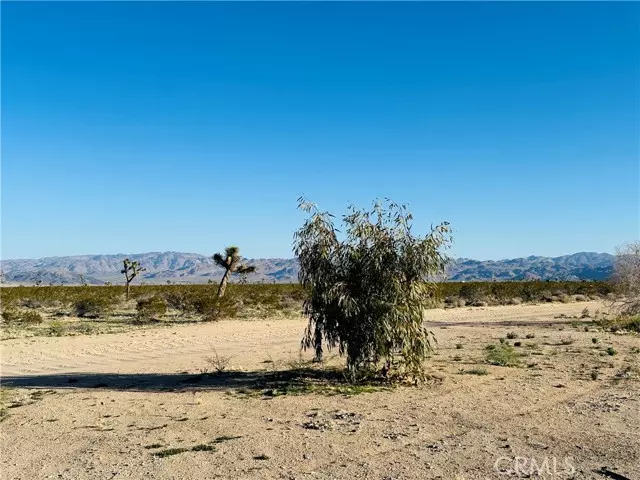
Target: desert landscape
pixel 320 240
pixel 238 399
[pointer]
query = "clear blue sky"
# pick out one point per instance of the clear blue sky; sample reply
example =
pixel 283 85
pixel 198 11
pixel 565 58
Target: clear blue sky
pixel 133 127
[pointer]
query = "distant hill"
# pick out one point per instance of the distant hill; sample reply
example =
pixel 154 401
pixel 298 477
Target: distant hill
pixel 579 266
pixel 194 268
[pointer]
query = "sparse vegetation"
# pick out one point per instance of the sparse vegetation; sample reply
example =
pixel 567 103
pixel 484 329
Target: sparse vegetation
pixel 191 303
pixel 517 292
pixel 624 322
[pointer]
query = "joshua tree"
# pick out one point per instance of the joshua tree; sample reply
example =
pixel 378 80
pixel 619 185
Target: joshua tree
pixel 130 271
pixel 230 261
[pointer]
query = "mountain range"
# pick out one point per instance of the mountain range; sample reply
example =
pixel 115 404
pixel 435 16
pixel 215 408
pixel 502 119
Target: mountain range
pixel 163 267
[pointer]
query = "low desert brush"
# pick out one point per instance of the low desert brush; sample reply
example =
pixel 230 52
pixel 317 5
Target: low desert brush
pixel 219 362
pixel 93 307
pixel 11 316
pixel 503 355
pixel 151 308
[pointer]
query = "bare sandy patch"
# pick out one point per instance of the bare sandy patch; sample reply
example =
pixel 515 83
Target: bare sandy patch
pixel 136 405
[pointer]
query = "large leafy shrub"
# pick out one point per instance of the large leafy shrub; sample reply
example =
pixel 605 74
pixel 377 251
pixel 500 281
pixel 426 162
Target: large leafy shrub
pixel 368 290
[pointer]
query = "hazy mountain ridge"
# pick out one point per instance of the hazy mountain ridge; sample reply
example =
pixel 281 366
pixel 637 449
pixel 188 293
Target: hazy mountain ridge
pixel 195 268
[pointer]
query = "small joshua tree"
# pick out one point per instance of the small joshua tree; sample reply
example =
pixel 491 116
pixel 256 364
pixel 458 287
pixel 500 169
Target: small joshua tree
pixel 130 271
pixel 230 261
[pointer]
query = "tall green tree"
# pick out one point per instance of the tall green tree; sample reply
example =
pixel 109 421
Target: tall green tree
pixel 369 286
pixel 230 261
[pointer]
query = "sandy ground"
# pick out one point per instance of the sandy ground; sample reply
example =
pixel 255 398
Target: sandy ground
pixel 103 406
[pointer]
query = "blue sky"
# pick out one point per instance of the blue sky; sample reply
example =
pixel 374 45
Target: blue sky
pixel 133 127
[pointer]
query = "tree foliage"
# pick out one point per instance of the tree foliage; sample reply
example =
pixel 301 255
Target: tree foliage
pixel 369 289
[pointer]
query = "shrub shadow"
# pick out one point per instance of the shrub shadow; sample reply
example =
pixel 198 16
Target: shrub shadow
pixel 158 382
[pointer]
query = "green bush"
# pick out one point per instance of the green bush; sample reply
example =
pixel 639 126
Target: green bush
pixel 93 307
pixel 151 308
pixel 56 329
pixel 179 298
pixel 368 292
pixel 626 322
pixel 214 308
pixel 31 317
pixel 503 355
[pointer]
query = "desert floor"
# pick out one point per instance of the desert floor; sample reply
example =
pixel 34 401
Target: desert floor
pixel 111 406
